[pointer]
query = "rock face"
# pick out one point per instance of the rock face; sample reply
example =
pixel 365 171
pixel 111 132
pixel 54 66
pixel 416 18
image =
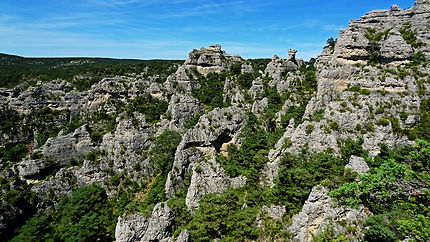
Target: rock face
pixel 137 227
pixel 183 108
pixel 347 99
pixel 211 59
pixel 353 42
pixel 319 212
pixel 63 148
pixel 214 131
pixel 357 164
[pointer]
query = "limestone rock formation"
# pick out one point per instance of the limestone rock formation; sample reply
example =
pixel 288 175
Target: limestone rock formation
pixel 211 59
pixel 214 131
pixel 353 42
pixel 319 212
pixel 137 227
pixel 357 164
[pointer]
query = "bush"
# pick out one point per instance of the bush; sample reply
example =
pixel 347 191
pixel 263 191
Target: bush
pixel 85 216
pixel 309 128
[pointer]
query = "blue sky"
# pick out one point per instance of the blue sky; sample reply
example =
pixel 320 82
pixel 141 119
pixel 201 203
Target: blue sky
pixel 154 29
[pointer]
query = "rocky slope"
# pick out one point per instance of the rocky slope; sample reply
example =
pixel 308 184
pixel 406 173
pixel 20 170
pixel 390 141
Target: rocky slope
pixel 223 125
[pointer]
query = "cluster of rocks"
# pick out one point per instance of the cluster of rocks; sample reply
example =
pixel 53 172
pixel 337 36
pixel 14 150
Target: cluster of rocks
pixel 353 42
pixel 211 59
pixel 344 113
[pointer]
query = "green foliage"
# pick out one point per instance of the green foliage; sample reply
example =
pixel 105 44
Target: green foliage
pixel 293 112
pixel 161 159
pixel 223 216
pixel 329 234
pixel 245 80
pixel 252 155
pixel 38 228
pixel 8 120
pixel 16 70
pixel 422 129
pixel 418 58
pixel 379 229
pixel 211 90
pixel 351 147
pixel 411 37
pixel 85 216
pixel 309 128
pixel 151 107
pixel 398 213
pixel 299 173
pixel 383 122
pixel 192 122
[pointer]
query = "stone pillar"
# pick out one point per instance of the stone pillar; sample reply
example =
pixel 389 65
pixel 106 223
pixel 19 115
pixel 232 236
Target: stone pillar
pixel 292 55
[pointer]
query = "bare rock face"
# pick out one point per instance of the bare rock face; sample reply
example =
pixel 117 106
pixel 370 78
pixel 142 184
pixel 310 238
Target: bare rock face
pixel 211 59
pixel 357 164
pixel 179 81
pixel 354 42
pixel 209 177
pixel 319 212
pixel 278 67
pixel 65 147
pixel 395 48
pixel 272 212
pixel 214 131
pixel 183 107
pixel 137 227
pixel 120 146
pixel 130 227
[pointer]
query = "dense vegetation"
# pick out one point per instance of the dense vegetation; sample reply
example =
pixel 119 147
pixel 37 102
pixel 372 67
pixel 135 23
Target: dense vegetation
pixel 85 216
pixel 396 190
pixel 15 70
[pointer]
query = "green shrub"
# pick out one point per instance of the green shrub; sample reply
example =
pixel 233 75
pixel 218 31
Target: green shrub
pixel 309 128
pixel 383 122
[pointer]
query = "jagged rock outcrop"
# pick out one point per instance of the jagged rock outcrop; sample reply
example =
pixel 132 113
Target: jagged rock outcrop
pixel 211 59
pixel 63 148
pixel 319 212
pixel 182 108
pixel 209 177
pixel 214 131
pixel 277 68
pixel 272 212
pixel 121 146
pixel 353 42
pixel 137 227
pixel 357 164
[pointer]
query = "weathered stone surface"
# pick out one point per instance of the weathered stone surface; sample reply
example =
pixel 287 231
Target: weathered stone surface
pixel 277 68
pixel 395 48
pixel 211 59
pixel 357 164
pixel 30 168
pixel 130 227
pixel 319 211
pixel 209 177
pixel 272 212
pixel 212 132
pixel 352 43
pixel 159 225
pixel 182 108
pixel 65 147
pixel 137 227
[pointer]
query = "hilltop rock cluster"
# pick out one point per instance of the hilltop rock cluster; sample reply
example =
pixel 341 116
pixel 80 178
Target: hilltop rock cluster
pixel 367 87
